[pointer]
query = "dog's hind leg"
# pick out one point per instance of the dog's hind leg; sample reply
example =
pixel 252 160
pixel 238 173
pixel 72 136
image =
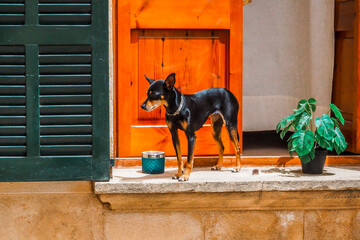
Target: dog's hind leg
pixel 233 133
pixel 217 123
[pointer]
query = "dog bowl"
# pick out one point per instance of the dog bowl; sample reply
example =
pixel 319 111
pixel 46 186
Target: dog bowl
pixel 153 162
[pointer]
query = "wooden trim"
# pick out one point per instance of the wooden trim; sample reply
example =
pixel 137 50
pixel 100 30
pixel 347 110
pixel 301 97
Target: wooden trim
pixel 123 70
pixel 229 161
pixel 236 58
pixel 115 76
pixel 356 115
pixel 160 14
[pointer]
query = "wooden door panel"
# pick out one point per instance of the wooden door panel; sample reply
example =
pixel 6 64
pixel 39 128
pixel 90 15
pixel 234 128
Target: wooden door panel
pixel 197 57
pixel 184 14
pixel 144 138
pixel 345 83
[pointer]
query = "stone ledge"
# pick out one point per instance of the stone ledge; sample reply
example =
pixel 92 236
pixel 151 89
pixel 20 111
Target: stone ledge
pixel 273 189
pixel 131 180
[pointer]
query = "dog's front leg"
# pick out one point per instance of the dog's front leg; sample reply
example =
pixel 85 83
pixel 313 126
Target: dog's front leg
pixel 191 137
pixel 176 143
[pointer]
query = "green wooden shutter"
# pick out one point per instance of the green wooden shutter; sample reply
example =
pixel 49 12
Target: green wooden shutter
pixel 54 90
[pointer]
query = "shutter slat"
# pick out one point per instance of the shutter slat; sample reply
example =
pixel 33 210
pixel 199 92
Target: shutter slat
pixel 12 19
pixel 65 89
pixel 12 120
pixel 12 79
pixel 65 79
pixel 12 8
pixel 65 58
pixel 65 99
pixel 65 69
pixel 12 151
pixel 12 140
pixel 66 139
pixel 12 110
pixel 12 131
pixel 65 19
pixel 65 109
pixel 64 8
pixel 65 119
pixel 12 100
pixel 12 89
pixel 65 129
pixel 63 150
pixel 64 1
pixel 12 59
pixel 12 69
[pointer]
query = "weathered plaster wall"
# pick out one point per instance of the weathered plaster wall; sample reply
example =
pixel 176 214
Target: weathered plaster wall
pixel 69 210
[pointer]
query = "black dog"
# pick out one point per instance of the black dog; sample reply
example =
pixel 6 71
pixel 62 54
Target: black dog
pixel 190 112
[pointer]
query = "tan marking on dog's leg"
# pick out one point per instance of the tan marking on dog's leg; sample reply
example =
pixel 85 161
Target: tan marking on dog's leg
pixel 180 162
pixel 184 125
pixel 176 143
pixel 169 124
pixel 188 169
pixel 190 159
pixel 235 141
pixel 216 124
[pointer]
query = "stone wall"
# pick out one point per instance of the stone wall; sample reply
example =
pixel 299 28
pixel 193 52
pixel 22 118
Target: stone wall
pixel 70 210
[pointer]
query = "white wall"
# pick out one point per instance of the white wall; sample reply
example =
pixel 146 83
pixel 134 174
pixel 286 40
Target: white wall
pixel 288 56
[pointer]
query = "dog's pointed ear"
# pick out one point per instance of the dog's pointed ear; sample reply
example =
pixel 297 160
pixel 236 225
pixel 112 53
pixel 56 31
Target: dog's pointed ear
pixel 149 79
pixel 170 81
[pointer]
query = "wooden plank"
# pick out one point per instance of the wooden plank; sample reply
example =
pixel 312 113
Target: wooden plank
pixel 344 15
pixel 229 161
pixel 145 138
pixel 356 116
pixel 185 14
pixel 114 88
pixel 123 77
pixel 236 59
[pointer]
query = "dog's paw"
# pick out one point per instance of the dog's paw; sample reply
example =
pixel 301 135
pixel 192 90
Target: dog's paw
pixel 216 167
pixel 236 169
pixel 184 178
pixel 176 176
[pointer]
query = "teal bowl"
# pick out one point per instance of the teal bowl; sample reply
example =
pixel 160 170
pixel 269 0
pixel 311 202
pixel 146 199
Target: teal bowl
pixel 153 162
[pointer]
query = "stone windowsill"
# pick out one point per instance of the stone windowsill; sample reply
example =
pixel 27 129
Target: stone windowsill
pixel 273 187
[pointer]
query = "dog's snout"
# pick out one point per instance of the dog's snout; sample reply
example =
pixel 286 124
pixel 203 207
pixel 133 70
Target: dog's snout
pixel 143 106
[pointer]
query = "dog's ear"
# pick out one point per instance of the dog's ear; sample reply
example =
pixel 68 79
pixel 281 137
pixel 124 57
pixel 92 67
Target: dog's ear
pixel 149 80
pixel 170 81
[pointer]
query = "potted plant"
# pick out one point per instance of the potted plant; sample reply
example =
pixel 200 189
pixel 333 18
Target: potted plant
pixel 313 137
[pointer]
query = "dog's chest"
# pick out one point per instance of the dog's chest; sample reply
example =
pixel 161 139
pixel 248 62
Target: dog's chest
pixel 179 123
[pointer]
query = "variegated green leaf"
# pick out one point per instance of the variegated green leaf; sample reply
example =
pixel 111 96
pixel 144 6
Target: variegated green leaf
pixel 308 157
pixel 303 121
pixel 325 127
pixel 337 113
pixel 303 142
pixel 339 142
pixel 312 103
pixel 322 142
